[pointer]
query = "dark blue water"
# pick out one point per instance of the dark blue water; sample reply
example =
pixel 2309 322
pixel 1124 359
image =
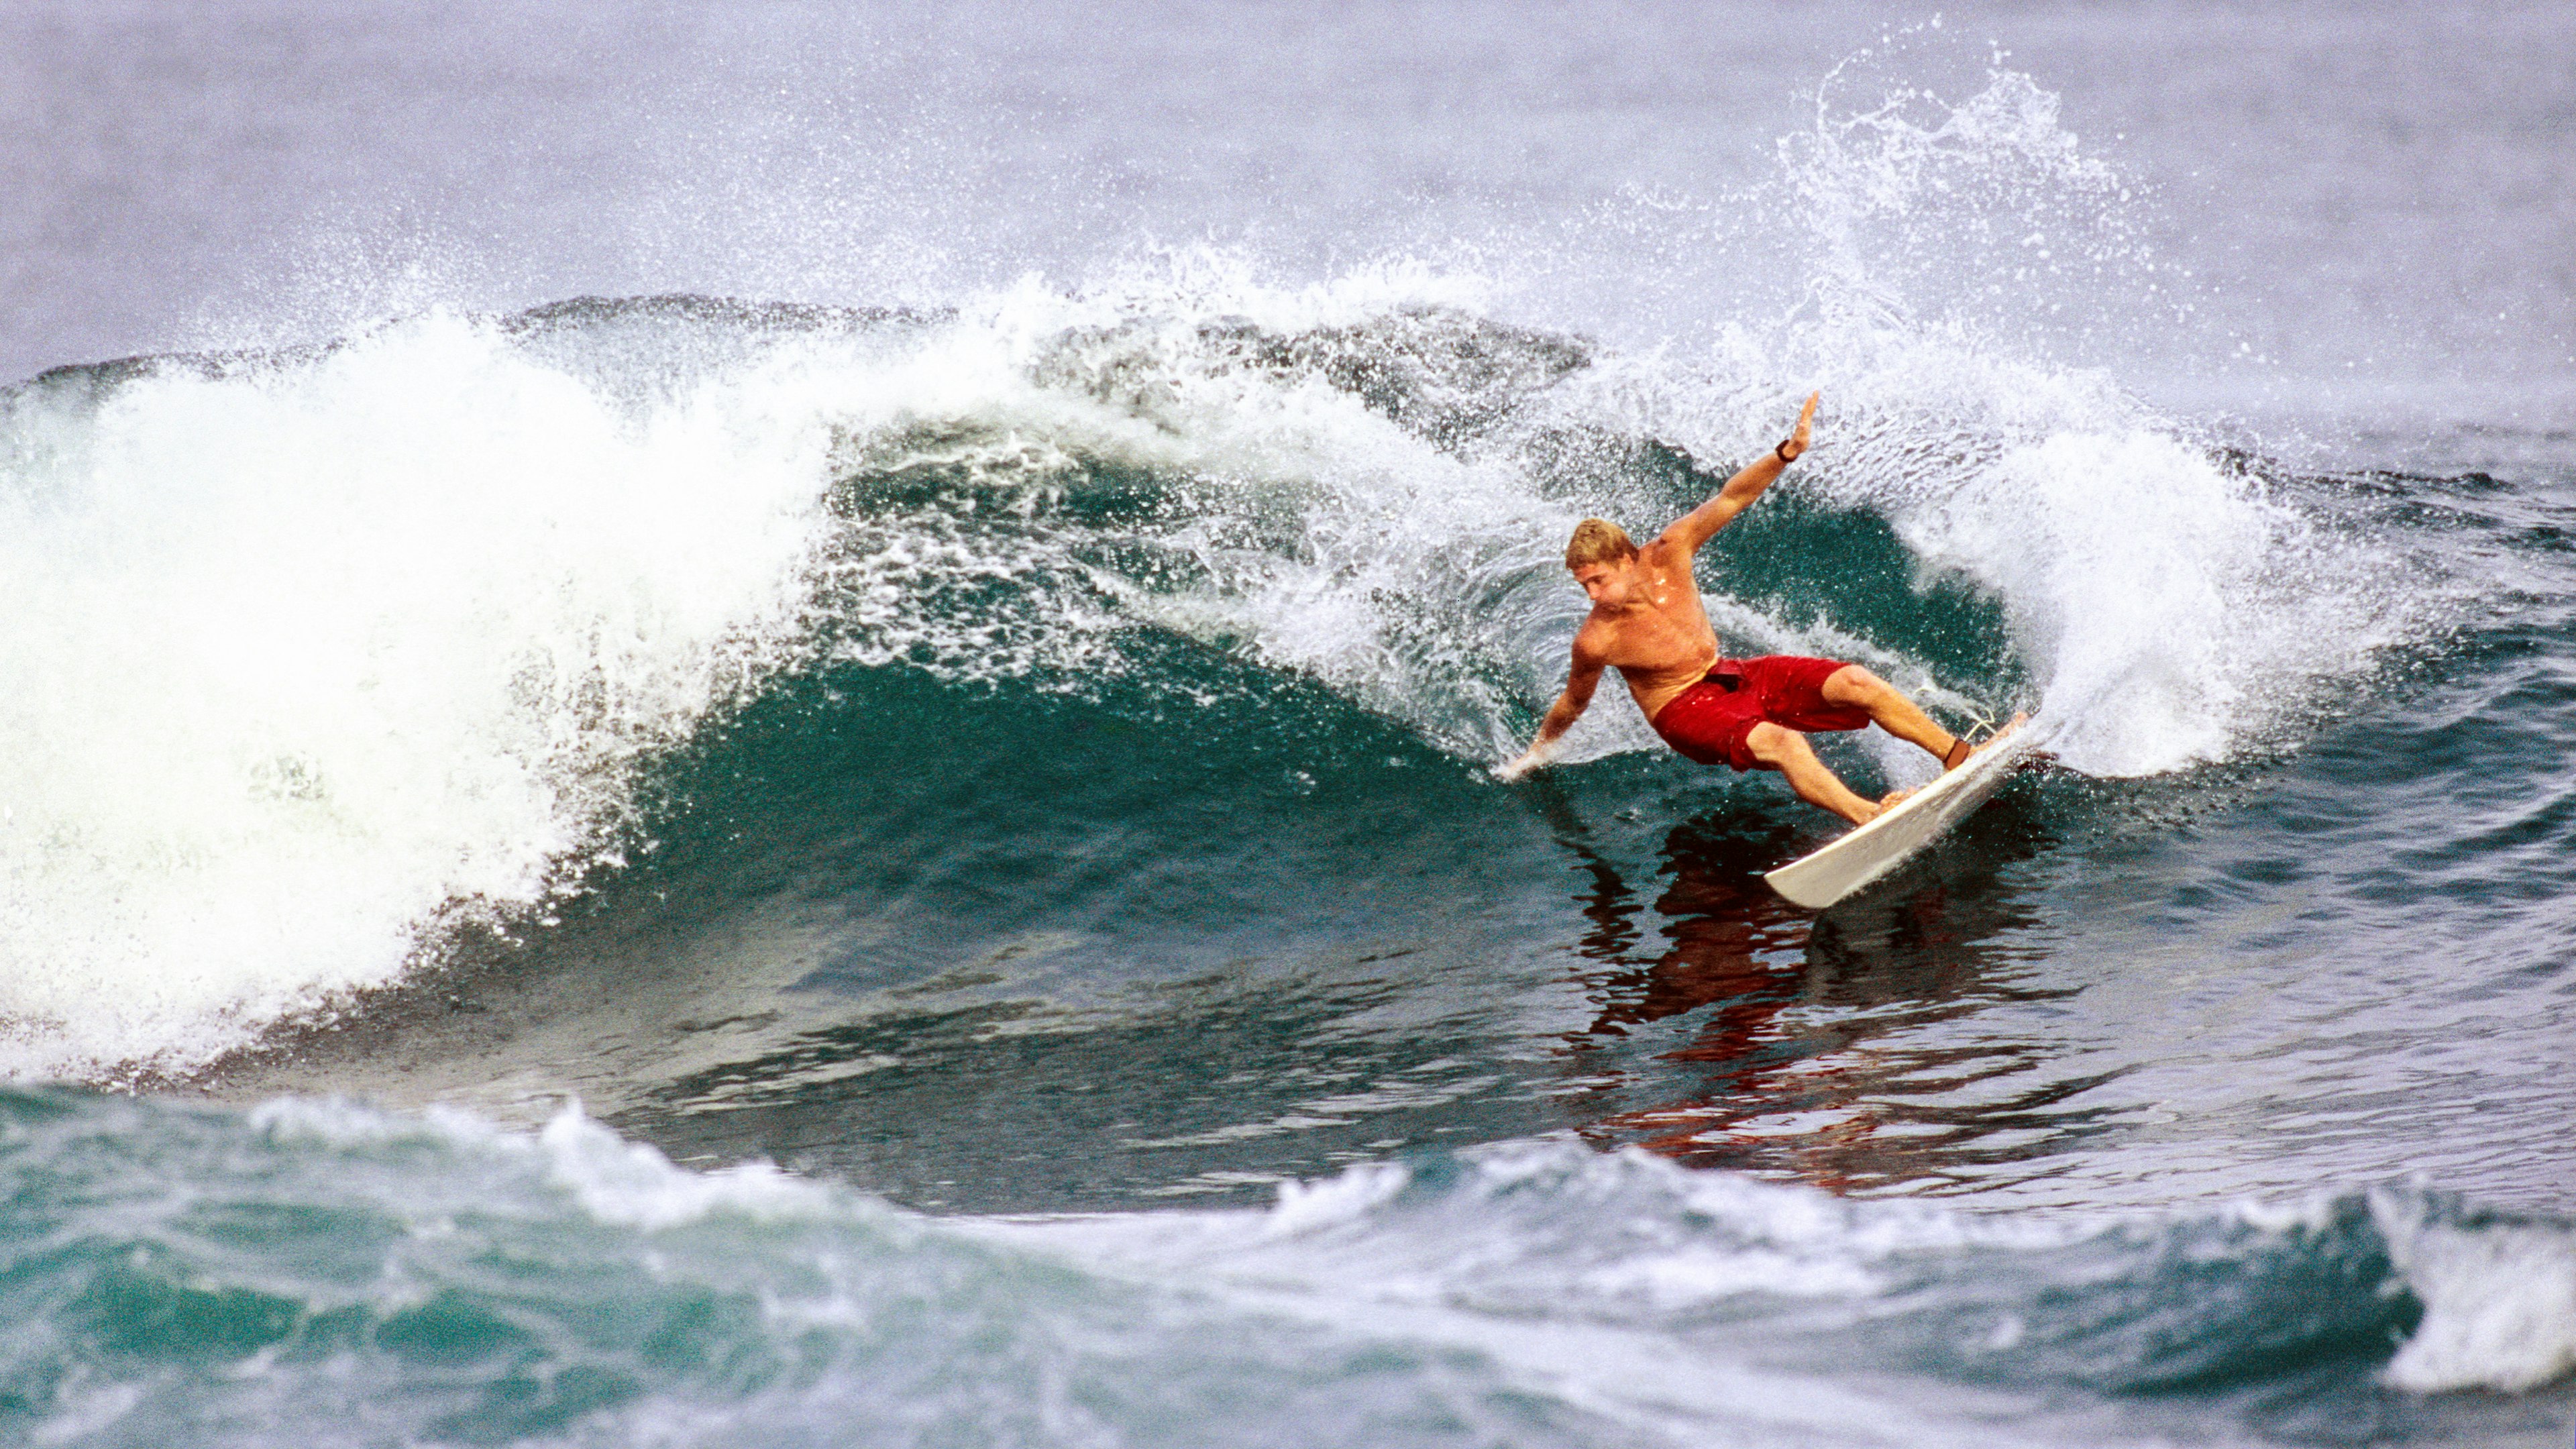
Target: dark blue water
pixel 613 845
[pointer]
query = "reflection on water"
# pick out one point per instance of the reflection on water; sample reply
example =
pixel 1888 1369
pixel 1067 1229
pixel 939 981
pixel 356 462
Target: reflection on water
pixel 1844 1050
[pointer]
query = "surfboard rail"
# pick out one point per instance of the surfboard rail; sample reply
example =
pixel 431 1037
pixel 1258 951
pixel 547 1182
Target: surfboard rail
pixel 1852 861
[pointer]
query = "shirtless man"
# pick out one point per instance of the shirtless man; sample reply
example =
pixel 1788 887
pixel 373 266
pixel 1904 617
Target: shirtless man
pixel 1647 623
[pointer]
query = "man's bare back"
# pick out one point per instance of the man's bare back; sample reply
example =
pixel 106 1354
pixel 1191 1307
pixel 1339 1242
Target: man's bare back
pixel 1648 623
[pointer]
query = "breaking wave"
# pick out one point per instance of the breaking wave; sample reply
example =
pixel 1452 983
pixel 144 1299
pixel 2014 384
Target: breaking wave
pixel 318 656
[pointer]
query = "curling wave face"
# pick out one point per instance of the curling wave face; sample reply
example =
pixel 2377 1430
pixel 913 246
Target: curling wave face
pixel 320 653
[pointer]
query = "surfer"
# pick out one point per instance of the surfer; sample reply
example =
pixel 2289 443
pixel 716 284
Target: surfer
pixel 1647 622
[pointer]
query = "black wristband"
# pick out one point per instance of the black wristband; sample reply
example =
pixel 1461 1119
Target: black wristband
pixel 1780 450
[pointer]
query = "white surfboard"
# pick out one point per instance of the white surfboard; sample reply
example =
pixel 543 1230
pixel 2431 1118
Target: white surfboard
pixel 1827 875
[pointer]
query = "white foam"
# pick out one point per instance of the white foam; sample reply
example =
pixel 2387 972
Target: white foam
pixel 2168 611
pixel 632 1183
pixel 2499 1300
pixel 299 657
pixel 613 1180
pixel 2158 602
pixel 1347 1197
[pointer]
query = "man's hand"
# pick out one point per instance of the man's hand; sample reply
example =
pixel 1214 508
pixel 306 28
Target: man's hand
pixel 1696 527
pixel 1796 442
pixel 1580 680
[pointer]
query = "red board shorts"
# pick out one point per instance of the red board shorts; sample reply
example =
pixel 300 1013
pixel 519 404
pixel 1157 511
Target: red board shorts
pixel 1709 720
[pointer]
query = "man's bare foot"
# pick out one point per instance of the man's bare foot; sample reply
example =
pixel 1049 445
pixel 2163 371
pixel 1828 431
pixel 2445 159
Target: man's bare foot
pixel 2020 718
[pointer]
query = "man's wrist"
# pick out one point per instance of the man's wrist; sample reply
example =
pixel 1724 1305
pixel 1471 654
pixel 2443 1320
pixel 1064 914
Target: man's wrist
pixel 1780 450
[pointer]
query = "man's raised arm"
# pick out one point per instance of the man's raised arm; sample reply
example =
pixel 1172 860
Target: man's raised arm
pixel 1702 523
pixel 1580 680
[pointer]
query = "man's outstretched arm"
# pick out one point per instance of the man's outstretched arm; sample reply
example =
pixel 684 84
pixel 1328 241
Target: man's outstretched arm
pixel 1702 523
pixel 1580 681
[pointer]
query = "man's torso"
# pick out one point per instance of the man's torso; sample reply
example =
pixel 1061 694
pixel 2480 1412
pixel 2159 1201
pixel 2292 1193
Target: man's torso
pixel 1663 646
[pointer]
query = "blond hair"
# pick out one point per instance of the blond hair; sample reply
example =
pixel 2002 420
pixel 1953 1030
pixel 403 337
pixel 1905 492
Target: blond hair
pixel 1597 540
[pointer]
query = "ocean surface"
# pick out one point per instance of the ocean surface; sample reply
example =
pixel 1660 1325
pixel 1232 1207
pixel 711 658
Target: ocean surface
pixel 774 724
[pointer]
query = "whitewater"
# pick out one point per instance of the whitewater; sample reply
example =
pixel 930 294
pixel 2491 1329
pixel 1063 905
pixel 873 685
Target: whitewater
pixel 905 849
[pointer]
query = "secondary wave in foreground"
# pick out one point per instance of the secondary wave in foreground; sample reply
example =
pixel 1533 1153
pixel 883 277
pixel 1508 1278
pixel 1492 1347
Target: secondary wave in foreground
pixel 178 1274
